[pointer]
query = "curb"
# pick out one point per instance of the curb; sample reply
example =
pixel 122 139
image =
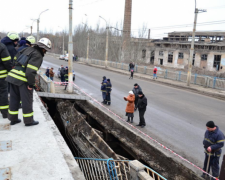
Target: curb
pixel 210 94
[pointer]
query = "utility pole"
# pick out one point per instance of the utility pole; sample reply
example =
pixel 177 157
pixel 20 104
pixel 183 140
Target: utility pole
pixel 30 30
pixel 149 33
pixel 70 48
pixel 192 46
pixel 88 37
pixel 38 21
pixel 63 41
pixel 107 42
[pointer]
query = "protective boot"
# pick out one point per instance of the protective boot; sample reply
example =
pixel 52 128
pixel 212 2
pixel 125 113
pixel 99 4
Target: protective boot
pixel 33 123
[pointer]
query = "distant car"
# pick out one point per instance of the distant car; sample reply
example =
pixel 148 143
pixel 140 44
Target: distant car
pixel 62 57
pixel 67 57
pixel 59 76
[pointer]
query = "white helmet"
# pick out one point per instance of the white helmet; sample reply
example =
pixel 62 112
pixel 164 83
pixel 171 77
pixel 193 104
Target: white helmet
pixel 131 92
pixel 45 43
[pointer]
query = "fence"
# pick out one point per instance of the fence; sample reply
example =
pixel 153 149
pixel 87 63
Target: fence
pixel 104 169
pixel 205 81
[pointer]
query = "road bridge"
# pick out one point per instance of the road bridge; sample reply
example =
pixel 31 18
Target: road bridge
pixel 174 117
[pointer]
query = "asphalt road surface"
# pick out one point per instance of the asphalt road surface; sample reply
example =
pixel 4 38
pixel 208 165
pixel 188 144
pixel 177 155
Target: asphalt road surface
pixel 174 117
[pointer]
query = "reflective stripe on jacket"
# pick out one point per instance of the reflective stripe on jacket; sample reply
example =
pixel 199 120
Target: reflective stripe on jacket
pixel 26 74
pixel 5 61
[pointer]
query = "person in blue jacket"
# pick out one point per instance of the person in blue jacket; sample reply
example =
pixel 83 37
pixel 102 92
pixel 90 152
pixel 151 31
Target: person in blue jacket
pixel 103 89
pixel 213 143
pixel 28 42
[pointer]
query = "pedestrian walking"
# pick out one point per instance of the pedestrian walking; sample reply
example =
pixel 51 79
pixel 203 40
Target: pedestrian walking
pixel 47 72
pixel 136 90
pixel 155 73
pixel 130 106
pixel 131 74
pixel 142 106
pixel 108 92
pixel 51 73
pixel 62 73
pixel 213 143
pixel 66 77
pixel 103 89
pixel 5 67
pixel 22 81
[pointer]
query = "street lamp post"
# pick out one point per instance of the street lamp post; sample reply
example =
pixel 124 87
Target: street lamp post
pixel 87 43
pixel 192 45
pixel 70 48
pixel 63 41
pixel 38 21
pixel 107 42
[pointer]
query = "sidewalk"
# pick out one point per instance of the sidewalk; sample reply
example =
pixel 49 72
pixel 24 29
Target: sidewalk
pixel 219 94
pixel 36 152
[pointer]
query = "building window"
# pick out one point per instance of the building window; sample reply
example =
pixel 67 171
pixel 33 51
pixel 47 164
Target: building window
pixel 204 57
pixel 143 53
pixel 181 56
pixel 216 63
pixel 170 57
pixel 161 53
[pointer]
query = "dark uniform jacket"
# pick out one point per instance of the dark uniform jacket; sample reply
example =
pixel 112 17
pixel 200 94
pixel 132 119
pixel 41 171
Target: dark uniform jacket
pixel 10 46
pixel 66 75
pixel 108 87
pixel 214 139
pixel 104 84
pixel 5 61
pixel 142 103
pixel 26 73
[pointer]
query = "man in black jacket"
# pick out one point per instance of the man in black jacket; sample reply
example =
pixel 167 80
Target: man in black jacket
pixel 5 67
pixel 22 81
pixel 136 90
pixel 142 104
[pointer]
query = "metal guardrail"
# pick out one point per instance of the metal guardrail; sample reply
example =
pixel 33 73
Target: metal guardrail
pixel 205 81
pixel 105 169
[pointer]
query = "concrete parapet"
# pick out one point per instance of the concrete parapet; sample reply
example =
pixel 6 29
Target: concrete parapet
pixel 135 168
pixel 142 175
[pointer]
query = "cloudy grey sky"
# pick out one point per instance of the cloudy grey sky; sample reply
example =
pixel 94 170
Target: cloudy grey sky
pixel 15 15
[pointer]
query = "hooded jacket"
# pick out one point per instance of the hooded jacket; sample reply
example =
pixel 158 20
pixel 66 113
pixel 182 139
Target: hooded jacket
pixel 26 73
pixel 10 46
pixel 104 84
pixel 136 90
pixel 130 103
pixel 5 61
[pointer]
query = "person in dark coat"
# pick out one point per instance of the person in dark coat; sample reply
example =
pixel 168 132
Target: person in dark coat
pixel 22 42
pixel 108 92
pixel 47 72
pixel 142 105
pixel 62 73
pixel 66 76
pixel 136 90
pixel 131 74
pixel 5 67
pixel 213 143
pixel 130 106
pixel 11 41
pixel 103 89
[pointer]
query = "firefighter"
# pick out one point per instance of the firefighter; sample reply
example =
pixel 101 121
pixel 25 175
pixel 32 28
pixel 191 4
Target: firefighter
pixel 5 67
pixel 22 81
pixel 213 143
pixel 108 92
pixel 29 41
pixel 11 41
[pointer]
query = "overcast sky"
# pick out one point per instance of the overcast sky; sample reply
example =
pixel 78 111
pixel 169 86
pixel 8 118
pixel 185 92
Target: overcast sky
pixel 15 15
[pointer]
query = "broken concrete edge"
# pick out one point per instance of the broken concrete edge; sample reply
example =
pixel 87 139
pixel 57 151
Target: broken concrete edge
pixel 67 154
pixel 202 92
pixel 160 160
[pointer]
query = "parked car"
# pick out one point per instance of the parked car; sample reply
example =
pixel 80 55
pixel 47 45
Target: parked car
pixel 67 57
pixel 62 57
pixel 59 76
